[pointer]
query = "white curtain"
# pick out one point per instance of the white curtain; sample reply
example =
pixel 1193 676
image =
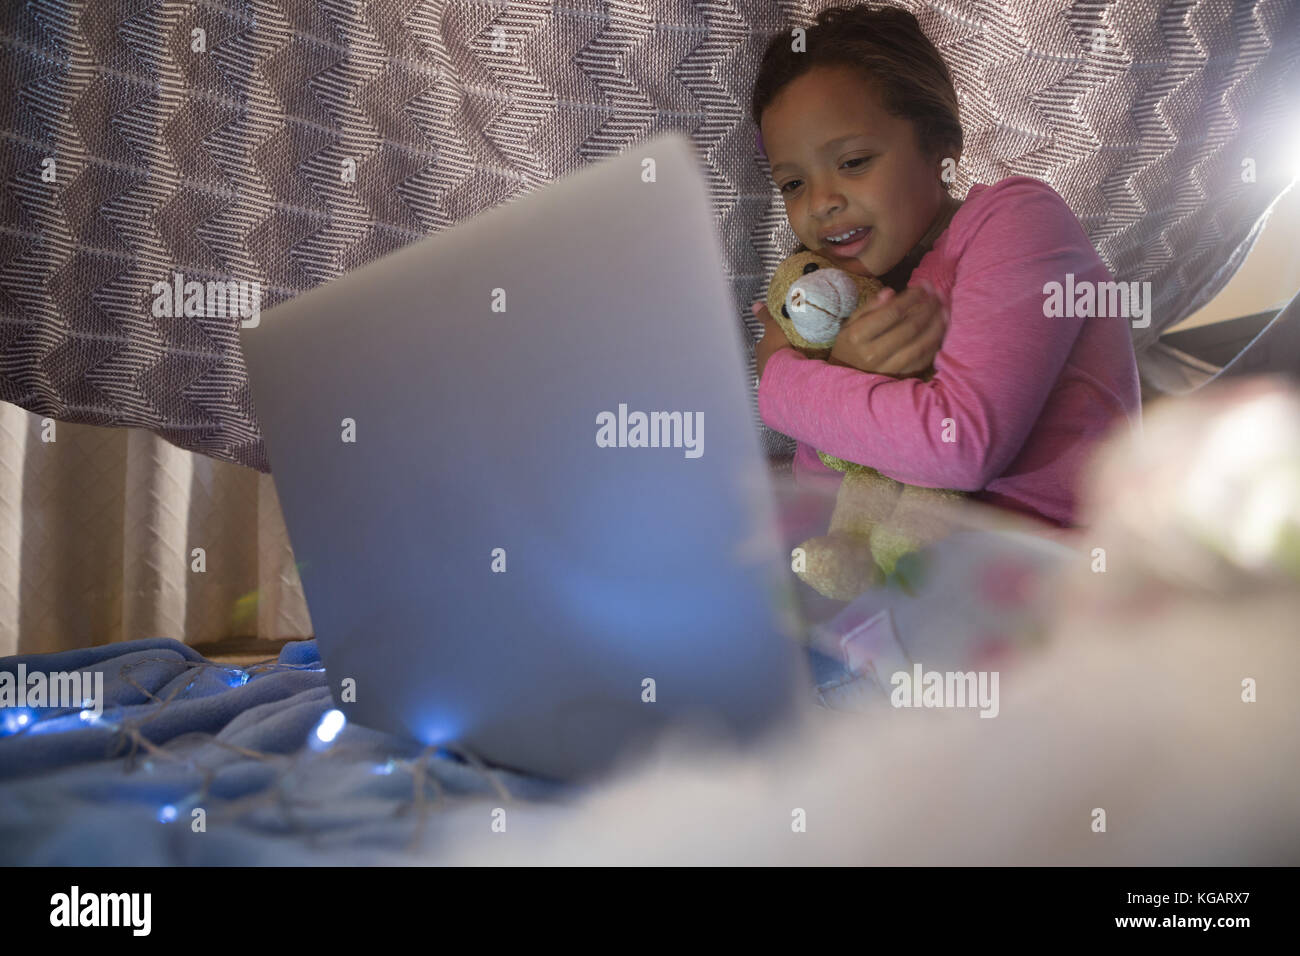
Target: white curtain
pixel 98 531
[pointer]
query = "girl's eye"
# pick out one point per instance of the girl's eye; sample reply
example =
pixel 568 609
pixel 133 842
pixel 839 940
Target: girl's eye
pixel 855 160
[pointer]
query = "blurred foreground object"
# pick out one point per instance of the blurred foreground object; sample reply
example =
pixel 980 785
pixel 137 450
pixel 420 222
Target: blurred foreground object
pixel 1154 725
pixel 1208 499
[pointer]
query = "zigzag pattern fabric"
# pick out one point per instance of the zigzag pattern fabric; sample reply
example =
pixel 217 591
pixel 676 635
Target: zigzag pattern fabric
pixel 145 138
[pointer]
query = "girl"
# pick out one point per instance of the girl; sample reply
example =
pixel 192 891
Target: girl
pixel 861 130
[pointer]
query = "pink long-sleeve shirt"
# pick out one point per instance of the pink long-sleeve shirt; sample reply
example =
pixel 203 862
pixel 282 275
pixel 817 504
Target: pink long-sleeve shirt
pixel 1018 400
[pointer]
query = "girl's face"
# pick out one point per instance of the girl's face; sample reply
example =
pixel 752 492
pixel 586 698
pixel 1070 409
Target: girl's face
pixel 842 161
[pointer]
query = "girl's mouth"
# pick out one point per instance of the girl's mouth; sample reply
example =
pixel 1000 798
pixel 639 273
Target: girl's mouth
pixel 847 250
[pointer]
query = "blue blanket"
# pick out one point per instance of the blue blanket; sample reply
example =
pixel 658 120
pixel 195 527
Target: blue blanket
pixel 256 752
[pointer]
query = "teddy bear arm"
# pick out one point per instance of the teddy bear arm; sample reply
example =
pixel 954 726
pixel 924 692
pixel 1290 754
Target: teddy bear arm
pixel 865 498
pixel 920 517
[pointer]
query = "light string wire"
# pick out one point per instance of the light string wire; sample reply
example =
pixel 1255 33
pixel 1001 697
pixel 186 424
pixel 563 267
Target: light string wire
pixel 427 791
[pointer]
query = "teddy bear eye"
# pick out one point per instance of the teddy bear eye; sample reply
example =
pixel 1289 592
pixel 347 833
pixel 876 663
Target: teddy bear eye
pixel 784 312
pixel 810 267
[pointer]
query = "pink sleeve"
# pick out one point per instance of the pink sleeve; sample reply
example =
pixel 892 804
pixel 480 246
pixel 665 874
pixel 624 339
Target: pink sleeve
pixel 1000 358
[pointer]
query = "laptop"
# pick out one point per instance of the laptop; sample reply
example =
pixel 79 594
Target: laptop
pixel 521 477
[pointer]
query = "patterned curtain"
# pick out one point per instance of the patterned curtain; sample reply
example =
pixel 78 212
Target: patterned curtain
pixel 285 143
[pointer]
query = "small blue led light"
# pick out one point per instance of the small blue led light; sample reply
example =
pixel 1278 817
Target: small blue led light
pixel 14 720
pixel 167 814
pixel 330 725
pixel 56 725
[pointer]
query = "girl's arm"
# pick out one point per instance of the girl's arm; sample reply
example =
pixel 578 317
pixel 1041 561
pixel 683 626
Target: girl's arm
pixel 1000 360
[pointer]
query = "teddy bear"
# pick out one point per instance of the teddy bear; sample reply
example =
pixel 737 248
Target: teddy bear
pixel 877 523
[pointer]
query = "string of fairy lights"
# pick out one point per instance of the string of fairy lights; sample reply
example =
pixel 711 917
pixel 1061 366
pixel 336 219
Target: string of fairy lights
pixel 127 740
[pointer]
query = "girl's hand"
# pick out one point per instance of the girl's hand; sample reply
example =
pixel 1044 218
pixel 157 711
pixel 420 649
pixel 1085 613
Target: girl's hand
pixel 773 337
pixel 896 334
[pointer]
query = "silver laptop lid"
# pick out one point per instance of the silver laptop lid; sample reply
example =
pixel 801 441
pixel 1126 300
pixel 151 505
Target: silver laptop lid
pixel 552 493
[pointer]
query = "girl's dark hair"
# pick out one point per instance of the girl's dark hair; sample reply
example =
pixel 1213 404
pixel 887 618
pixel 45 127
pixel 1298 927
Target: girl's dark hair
pixel 887 45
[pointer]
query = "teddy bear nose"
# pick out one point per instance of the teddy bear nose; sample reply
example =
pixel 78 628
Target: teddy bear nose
pixel 820 304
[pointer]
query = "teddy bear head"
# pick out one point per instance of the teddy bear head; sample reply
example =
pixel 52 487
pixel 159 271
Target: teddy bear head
pixel 811 299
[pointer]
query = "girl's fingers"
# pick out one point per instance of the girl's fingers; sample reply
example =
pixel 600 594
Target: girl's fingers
pixel 899 350
pixel 886 351
pixel 760 312
pixel 875 322
pixel 919 354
